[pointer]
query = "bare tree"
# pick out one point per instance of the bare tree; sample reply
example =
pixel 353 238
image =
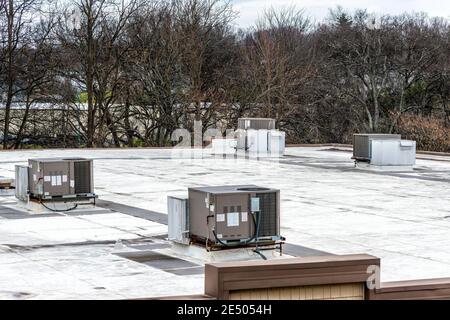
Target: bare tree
pixel 92 45
pixel 204 29
pixel 279 60
pixel 17 16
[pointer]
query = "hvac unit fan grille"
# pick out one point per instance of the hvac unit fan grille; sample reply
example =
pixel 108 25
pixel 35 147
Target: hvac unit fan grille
pixel 268 211
pixel 82 177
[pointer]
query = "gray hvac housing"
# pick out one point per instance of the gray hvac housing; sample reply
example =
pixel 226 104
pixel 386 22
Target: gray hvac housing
pixel 228 215
pixel 51 179
pixel 362 144
pixel 384 150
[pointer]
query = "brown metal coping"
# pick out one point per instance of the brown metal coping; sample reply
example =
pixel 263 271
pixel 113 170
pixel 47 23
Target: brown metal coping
pixel 221 278
pixel 412 290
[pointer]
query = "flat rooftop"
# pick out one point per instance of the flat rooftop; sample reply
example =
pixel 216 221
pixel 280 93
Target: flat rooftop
pixel 117 250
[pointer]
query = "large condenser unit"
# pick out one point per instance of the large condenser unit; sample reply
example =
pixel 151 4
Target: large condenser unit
pixel 229 216
pixel 384 150
pixel 57 178
pixel 258 136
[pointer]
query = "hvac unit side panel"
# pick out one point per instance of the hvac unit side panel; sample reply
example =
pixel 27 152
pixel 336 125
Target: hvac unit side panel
pixel 276 142
pixel 262 141
pixel 21 183
pixel 361 147
pixel 233 220
pixel 391 153
pixel 198 214
pixel 34 178
pixel 56 178
pixel 178 220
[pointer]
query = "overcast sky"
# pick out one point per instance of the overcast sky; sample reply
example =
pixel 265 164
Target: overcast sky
pixel 249 10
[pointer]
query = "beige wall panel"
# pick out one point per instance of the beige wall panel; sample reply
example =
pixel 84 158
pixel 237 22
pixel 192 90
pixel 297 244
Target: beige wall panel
pixel 325 292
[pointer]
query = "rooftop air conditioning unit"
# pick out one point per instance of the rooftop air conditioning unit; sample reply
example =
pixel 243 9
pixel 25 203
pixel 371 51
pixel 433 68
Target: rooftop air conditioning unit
pixel 52 179
pixel 256 123
pixel 384 150
pixel 234 215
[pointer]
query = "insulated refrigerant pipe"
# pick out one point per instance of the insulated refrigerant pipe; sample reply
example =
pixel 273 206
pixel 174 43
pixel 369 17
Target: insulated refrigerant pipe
pixel 255 235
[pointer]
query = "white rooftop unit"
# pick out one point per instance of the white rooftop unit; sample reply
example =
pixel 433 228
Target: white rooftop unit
pixel 258 136
pixel 384 150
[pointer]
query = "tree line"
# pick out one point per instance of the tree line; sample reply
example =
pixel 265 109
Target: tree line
pixel 99 73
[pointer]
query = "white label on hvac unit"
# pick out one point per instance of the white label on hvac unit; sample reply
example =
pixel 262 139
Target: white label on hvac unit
pixel 72 183
pixel 47 178
pixel 46 194
pixel 34 177
pixel 219 236
pixel 211 208
pixel 233 219
pixel 255 204
pixel 220 218
pixel 58 181
pixel 54 182
pixel 244 216
pixel 64 179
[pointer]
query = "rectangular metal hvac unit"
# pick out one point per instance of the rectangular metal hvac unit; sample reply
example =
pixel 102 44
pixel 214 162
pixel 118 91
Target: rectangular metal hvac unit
pixel 61 178
pixel 384 150
pixel 362 144
pixel 256 123
pixel 22 183
pixel 397 153
pixel 234 215
pixel 178 219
